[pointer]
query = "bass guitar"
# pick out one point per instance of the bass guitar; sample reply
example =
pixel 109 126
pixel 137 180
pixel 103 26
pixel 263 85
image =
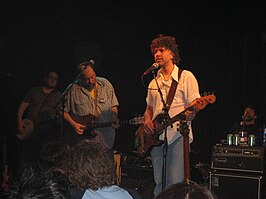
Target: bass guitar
pixel 144 141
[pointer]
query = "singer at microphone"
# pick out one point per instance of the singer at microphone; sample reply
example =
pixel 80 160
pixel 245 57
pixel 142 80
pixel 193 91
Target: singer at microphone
pixel 162 91
pixel 152 68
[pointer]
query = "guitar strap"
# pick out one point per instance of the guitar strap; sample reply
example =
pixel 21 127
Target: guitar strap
pixel 47 97
pixel 96 112
pixel 172 90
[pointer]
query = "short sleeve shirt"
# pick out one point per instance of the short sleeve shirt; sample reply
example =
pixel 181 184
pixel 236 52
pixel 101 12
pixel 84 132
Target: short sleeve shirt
pixel 80 103
pixel 187 90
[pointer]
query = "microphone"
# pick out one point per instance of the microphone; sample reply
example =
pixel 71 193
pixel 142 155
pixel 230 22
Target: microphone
pixel 153 67
pixel 87 63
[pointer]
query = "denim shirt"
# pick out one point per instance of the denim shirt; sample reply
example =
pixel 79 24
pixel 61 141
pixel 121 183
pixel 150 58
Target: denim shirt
pixel 80 103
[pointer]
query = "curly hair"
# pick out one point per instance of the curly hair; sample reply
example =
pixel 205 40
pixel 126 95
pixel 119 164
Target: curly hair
pixel 53 152
pixel 168 42
pixel 90 166
pixel 251 107
pixel 37 183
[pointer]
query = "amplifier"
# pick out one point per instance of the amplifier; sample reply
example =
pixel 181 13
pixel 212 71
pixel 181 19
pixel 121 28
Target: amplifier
pixel 238 158
pixel 228 185
pixel 139 179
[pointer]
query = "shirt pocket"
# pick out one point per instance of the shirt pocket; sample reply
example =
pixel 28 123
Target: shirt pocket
pixel 82 105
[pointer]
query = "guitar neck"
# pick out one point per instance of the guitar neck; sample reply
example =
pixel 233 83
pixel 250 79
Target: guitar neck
pixel 100 125
pixel 108 124
pixel 91 121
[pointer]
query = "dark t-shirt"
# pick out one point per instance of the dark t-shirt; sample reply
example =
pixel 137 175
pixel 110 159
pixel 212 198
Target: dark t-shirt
pixel 42 107
pixel 255 129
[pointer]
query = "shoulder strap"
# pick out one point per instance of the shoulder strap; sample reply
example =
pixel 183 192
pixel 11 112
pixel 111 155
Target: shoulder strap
pixel 172 90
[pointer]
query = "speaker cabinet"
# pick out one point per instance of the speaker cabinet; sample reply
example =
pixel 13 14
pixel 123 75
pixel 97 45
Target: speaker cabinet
pixel 139 179
pixel 237 185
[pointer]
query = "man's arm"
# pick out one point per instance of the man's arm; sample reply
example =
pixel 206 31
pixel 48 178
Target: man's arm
pixel 192 88
pixel 148 124
pixel 22 107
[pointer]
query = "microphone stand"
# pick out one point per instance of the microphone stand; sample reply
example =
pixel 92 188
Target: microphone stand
pixel 166 118
pixel 63 98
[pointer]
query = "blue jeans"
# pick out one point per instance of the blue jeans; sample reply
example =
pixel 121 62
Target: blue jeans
pixel 174 164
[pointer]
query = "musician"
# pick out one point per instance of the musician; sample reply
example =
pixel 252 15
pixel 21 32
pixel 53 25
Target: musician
pixel 39 106
pixel 165 52
pixel 249 123
pixel 93 96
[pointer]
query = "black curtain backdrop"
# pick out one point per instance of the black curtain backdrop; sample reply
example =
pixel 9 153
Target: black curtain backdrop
pixel 222 42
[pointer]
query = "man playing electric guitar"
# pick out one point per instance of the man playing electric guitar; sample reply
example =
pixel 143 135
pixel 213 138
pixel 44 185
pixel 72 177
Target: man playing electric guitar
pixel 145 140
pixel 92 96
pixel 166 54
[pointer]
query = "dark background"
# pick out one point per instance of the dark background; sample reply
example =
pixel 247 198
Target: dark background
pixel 222 42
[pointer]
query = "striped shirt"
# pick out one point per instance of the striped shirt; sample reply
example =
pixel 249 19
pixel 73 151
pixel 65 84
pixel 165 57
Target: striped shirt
pixel 80 103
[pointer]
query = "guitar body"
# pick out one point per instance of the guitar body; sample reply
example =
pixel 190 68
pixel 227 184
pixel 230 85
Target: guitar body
pixel 144 142
pixel 27 131
pixel 86 120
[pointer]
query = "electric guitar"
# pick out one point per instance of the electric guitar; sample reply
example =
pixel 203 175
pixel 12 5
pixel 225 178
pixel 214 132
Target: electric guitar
pixel 144 141
pixel 90 123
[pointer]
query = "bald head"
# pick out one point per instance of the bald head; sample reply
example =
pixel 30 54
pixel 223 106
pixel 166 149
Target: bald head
pixel 88 77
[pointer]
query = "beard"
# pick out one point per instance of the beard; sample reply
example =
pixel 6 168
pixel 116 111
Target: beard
pixel 90 86
pixel 248 118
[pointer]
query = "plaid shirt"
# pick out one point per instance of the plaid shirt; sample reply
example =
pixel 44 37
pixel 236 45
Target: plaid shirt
pixel 80 103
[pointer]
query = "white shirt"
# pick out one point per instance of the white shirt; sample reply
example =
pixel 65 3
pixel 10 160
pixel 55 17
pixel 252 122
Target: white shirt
pixel 187 90
pixel 113 192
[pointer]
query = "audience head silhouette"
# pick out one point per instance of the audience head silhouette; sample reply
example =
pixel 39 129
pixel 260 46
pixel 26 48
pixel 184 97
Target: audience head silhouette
pixel 186 190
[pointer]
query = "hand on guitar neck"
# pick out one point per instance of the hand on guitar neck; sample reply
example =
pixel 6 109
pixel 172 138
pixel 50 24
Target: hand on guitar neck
pixel 190 114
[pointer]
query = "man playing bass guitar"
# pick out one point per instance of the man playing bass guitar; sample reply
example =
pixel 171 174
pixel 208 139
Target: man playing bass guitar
pixel 166 54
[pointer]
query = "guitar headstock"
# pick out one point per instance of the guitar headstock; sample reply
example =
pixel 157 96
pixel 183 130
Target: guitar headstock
pixel 202 102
